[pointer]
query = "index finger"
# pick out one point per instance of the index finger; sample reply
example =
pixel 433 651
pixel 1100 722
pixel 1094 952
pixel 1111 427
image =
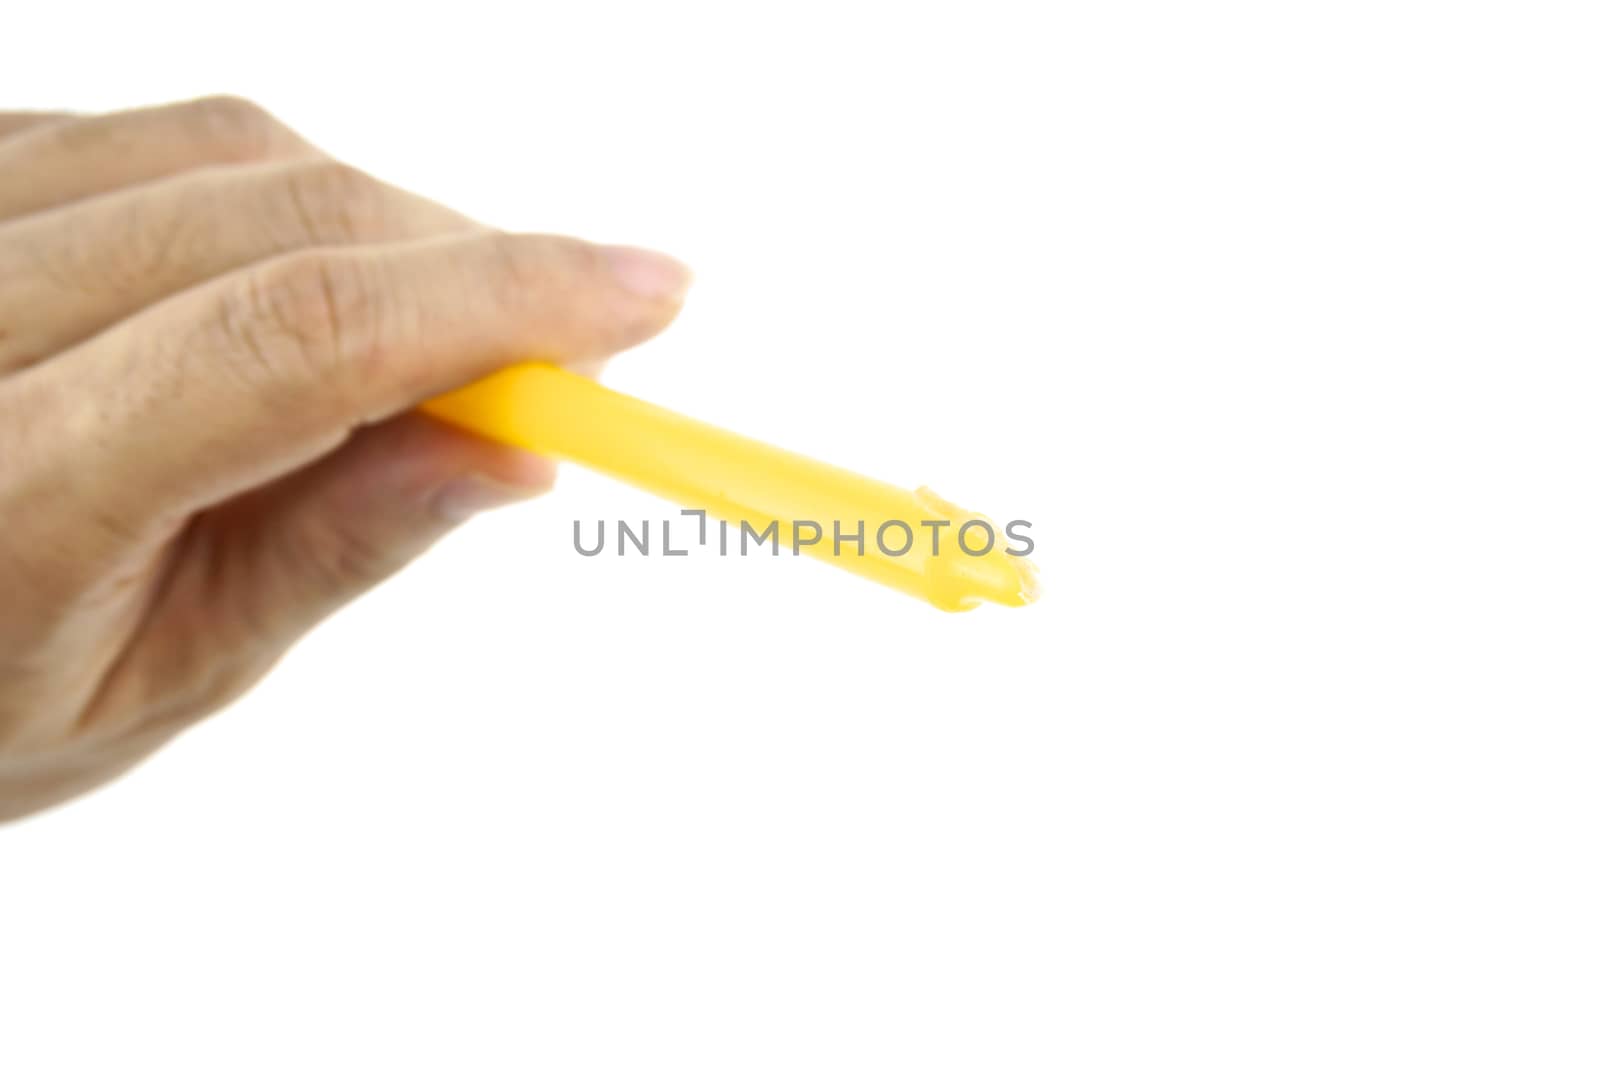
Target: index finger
pixel 231 384
pixel 47 164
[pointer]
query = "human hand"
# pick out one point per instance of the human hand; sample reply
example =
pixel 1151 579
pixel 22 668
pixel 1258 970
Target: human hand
pixel 211 335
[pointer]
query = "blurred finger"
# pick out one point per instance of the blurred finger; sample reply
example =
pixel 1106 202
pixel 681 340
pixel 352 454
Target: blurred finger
pixel 52 163
pixel 67 274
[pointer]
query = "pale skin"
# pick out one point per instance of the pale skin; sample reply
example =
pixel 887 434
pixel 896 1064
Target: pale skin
pixel 211 339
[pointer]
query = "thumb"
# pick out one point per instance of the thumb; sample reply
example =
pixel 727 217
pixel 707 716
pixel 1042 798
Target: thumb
pixel 302 548
pixel 258 572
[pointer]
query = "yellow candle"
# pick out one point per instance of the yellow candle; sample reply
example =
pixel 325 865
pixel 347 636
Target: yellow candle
pixel 909 540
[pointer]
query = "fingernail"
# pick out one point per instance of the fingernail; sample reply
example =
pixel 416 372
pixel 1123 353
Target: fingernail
pixel 648 274
pixel 459 499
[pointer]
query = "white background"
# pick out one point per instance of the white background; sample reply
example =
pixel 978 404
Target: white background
pixel 1278 321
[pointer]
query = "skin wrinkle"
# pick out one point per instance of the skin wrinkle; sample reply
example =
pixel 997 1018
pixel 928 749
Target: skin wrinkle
pixel 149 145
pixel 127 247
pixel 160 590
pixel 148 248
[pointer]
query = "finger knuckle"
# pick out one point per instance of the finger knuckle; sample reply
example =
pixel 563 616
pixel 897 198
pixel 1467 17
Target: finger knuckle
pixel 332 201
pixel 341 559
pixel 514 268
pixel 111 249
pixel 564 280
pixel 237 127
pixel 525 270
pixel 306 319
pixel 120 251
